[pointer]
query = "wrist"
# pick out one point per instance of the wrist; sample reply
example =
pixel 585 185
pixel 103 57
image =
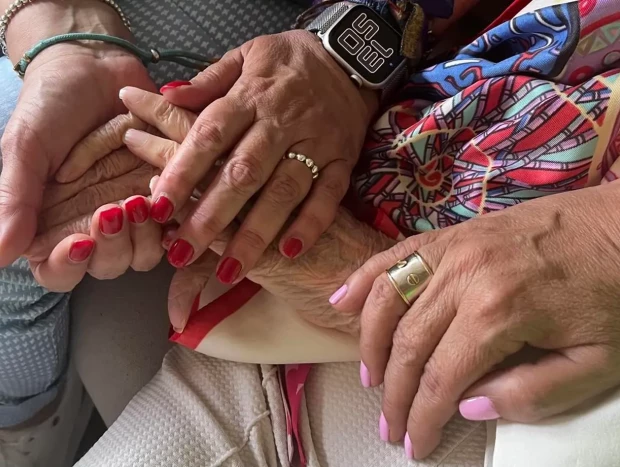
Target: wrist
pixel 54 18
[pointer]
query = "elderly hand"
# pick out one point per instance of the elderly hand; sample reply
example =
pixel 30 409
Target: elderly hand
pixel 79 231
pixel 542 274
pixel 68 91
pixel 305 283
pixel 273 95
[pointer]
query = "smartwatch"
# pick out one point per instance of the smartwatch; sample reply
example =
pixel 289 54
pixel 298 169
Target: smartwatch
pixel 363 43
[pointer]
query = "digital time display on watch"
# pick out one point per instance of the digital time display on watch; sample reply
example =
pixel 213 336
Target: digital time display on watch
pixel 367 43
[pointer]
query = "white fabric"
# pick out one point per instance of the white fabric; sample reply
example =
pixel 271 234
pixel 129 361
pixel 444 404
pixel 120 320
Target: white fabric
pixel 201 412
pixel 584 437
pixel 267 330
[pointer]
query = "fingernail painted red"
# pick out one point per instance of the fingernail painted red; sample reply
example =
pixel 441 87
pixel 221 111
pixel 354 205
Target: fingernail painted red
pixel 137 210
pixel 180 253
pixel 81 250
pixel 478 408
pixel 174 85
pixel 292 247
pixel 408 447
pixel 364 375
pixel 111 221
pixel 229 270
pixel 338 294
pixel 162 209
pixel 384 429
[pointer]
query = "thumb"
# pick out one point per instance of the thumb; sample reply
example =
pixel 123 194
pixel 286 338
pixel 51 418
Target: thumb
pixel 22 182
pixel 208 85
pixel 185 288
pixel 351 296
pixel 530 392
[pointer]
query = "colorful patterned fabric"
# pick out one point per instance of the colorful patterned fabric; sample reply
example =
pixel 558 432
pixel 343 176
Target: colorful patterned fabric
pixel 529 109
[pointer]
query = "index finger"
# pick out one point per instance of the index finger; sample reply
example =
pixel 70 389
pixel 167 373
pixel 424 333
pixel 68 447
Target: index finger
pixel 218 128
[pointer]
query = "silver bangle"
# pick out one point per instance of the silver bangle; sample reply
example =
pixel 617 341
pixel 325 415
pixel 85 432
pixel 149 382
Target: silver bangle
pixel 17 5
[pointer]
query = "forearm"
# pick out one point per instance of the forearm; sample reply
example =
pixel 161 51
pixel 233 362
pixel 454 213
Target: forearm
pixel 43 19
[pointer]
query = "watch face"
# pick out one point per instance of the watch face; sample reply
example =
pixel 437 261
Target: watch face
pixel 367 43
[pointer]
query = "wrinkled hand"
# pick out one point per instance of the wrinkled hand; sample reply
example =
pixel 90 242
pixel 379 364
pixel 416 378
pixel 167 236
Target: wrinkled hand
pixel 272 95
pixel 305 283
pixel 68 91
pixel 542 274
pixel 85 227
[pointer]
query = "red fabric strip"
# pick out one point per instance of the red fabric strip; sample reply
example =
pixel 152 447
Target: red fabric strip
pixel 204 320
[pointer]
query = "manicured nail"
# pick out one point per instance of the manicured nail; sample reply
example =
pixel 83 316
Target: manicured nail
pixel 384 429
pixel 478 408
pixel 135 137
pixel 174 85
pixel 364 375
pixel 111 221
pixel 180 253
pixel 338 294
pixel 121 93
pixel 408 447
pixel 178 330
pixel 292 247
pixel 137 210
pixel 162 209
pixel 229 270
pixel 81 250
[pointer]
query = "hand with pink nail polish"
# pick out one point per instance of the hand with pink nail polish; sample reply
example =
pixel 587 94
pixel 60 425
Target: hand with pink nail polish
pixel 526 277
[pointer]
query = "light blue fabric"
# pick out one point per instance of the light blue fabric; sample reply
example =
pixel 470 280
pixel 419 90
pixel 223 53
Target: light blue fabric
pixel 34 323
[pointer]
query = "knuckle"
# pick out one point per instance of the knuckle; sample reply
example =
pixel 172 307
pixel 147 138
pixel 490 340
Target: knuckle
pixel 334 189
pixel 404 355
pixel 382 292
pixel 432 385
pixel 163 111
pixel 252 239
pixel 242 175
pixel 207 134
pixel 177 177
pixel 285 187
pixel 206 225
pixel 114 130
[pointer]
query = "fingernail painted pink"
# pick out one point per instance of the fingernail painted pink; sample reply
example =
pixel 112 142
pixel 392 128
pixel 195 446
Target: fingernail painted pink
pixel 364 375
pixel 338 294
pixel 408 447
pixel 478 408
pixel 384 429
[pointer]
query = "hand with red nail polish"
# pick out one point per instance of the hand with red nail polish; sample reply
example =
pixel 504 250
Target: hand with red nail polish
pixel 58 106
pixel 305 283
pixel 329 137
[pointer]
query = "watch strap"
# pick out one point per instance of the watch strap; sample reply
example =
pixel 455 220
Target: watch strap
pixel 328 17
